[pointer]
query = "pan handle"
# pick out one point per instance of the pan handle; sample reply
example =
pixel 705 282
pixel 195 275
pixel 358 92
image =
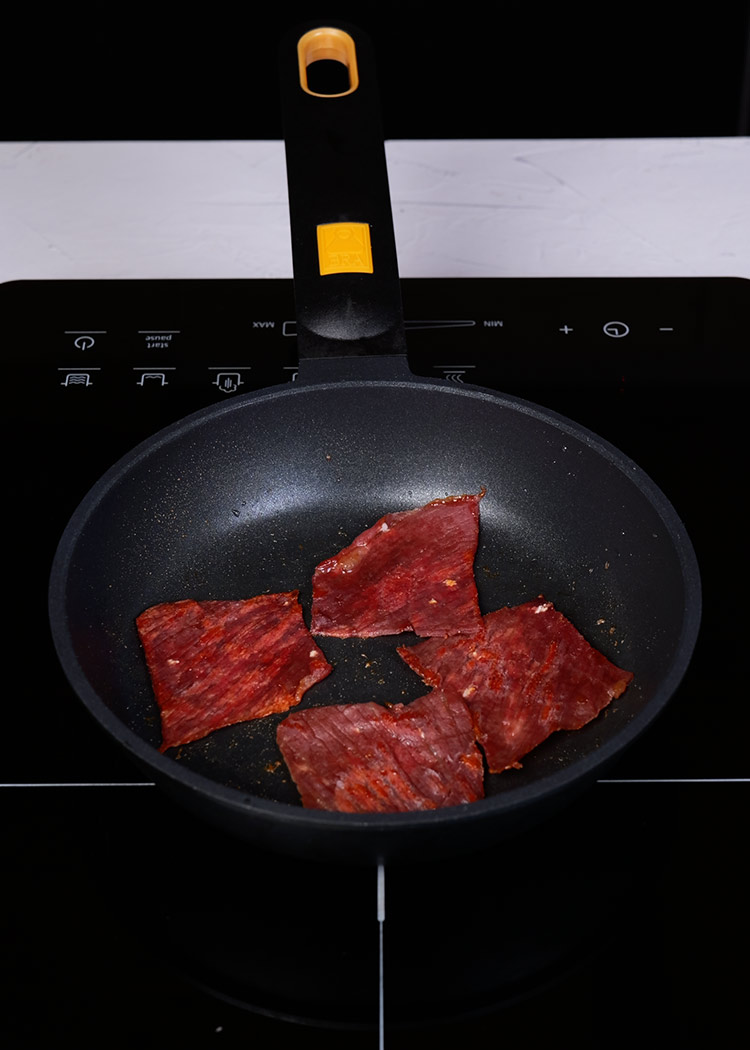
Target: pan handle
pixel 346 282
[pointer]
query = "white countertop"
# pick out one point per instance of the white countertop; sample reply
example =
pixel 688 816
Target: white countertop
pixel 483 208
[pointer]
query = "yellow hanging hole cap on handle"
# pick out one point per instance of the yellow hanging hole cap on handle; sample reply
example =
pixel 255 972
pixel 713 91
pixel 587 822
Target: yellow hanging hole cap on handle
pixel 327 44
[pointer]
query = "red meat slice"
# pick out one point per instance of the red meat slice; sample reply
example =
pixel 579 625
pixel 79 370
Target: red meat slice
pixel 215 663
pixel 412 570
pixel 526 674
pixel 365 758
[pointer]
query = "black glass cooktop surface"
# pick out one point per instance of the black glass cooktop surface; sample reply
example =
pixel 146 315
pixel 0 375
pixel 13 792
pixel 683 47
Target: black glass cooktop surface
pixel 130 922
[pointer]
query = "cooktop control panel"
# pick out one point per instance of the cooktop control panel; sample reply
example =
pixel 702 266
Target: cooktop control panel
pixel 160 349
pixel 129 357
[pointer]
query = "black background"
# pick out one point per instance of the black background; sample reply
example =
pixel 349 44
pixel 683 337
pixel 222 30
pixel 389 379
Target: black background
pixel 511 70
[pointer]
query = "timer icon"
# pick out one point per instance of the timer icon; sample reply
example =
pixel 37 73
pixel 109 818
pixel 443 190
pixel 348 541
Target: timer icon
pixel 615 329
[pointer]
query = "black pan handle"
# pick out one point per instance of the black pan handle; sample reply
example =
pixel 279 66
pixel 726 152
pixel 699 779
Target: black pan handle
pixel 346 282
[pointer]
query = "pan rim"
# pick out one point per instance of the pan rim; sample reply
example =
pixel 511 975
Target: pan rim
pixel 581 768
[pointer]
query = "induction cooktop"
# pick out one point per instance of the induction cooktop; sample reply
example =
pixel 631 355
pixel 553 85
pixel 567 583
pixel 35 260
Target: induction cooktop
pixel 133 923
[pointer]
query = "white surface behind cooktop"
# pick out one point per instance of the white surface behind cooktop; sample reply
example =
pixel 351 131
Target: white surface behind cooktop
pixel 483 208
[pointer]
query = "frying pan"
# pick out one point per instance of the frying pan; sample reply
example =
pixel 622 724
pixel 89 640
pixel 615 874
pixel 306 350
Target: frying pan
pixel 249 495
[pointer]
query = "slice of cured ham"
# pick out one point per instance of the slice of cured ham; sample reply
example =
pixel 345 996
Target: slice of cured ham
pixel 215 663
pixel 412 570
pixel 527 673
pixel 366 758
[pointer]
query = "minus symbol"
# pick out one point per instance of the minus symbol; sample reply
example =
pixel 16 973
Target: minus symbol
pixel 666 329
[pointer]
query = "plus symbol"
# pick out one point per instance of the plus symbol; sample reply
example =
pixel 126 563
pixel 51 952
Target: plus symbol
pixel 565 329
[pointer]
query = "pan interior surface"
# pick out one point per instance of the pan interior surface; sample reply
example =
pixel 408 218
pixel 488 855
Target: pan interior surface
pixel 233 503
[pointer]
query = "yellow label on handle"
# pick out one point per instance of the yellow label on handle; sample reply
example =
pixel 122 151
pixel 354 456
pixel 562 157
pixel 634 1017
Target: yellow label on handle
pixel 344 247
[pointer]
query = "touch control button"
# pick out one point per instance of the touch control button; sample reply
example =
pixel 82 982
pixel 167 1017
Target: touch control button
pixel 158 340
pixel 616 329
pixel 84 338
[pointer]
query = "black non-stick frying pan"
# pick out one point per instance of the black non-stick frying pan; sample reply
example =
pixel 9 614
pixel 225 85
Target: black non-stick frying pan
pixel 249 495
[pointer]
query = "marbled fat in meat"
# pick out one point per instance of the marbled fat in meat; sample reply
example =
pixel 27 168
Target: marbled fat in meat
pixel 215 663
